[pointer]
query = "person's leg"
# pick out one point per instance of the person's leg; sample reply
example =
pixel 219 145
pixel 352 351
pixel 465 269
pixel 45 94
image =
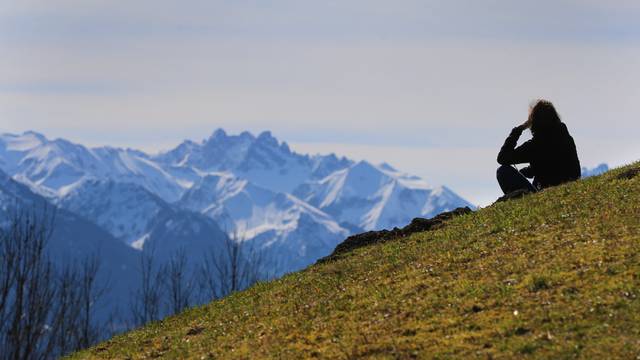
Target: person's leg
pixel 510 180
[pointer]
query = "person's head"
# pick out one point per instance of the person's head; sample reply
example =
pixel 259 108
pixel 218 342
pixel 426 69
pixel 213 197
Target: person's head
pixel 543 117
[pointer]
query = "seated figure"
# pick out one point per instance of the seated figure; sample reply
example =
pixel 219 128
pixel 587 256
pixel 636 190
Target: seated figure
pixel 550 154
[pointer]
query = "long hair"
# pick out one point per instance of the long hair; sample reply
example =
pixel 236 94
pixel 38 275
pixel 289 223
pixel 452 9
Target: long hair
pixel 543 117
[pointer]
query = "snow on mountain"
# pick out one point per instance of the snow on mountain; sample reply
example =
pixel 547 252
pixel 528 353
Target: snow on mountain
pixel 374 197
pixel 53 167
pixel 301 205
pixel 123 209
pixel 141 219
pixel 262 160
pixel 277 222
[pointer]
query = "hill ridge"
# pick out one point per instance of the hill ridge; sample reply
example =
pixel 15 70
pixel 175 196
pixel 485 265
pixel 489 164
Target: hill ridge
pixel 553 274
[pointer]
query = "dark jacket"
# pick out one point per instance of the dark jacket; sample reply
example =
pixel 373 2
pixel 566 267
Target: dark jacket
pixel 552 156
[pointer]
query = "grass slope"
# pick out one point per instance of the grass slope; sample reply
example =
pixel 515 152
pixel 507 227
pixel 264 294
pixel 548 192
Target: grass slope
pixel 552 275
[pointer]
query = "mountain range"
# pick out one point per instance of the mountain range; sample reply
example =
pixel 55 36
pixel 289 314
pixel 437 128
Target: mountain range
pixel 296 206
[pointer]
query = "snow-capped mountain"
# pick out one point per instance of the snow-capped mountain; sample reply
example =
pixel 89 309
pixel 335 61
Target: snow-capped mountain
pixel 272 220
pixel 124 209
pixel 296 206
pixel 262 160
pixel 373 197
pixel 141 219
pixel 54 167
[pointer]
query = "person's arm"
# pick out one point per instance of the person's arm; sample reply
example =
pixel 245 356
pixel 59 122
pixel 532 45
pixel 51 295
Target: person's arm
pixel 509 154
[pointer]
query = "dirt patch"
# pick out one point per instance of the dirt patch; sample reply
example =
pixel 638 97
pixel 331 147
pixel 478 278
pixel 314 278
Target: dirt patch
pixel 372 237
pixel 195 330
pixel 628 174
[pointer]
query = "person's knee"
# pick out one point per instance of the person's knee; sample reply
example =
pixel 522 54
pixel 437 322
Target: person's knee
pixel 503 170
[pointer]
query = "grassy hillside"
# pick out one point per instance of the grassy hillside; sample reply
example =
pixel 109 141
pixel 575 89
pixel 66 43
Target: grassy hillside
pixel 555 274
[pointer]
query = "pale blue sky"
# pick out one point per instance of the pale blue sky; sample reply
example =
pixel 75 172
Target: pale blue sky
pixel 431 87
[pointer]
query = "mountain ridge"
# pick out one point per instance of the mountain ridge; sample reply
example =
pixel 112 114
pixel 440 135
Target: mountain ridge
pixel 62 171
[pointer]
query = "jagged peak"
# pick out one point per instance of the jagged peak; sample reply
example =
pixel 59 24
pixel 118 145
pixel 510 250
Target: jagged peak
pixel 218 134
pixel 331 156
pixel 285 147
pixel 266 138
pixel 35 134
pixel 265 135
pixel 247 135
pixel 25 141
pixel 364 165
pixel 187 145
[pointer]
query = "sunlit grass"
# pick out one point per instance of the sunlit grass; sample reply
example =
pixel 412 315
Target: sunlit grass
pixel 553 275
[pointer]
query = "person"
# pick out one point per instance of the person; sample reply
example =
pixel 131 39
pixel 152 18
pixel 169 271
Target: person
pixel 551 153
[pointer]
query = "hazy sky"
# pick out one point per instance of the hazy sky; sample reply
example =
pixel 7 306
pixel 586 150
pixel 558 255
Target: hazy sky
pixel 432 87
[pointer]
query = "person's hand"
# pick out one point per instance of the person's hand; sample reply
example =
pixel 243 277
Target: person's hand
pixel 525 125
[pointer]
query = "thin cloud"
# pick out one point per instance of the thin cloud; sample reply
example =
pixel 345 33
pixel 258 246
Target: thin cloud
pixel 434 74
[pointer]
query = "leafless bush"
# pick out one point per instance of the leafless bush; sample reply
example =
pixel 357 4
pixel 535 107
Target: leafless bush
pixel 234 266
pixel 45 310
pixel 72 325
pixel 90 293
pixel 27 295
pixel 179 282
pixel 145 302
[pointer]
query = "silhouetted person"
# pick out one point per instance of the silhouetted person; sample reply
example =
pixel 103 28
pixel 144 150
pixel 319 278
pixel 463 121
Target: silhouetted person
pixel 551 153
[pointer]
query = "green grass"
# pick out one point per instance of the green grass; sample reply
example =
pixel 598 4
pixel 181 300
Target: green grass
pixel 552 275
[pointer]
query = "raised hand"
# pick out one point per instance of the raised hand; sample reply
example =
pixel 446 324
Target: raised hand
pixel 526 124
